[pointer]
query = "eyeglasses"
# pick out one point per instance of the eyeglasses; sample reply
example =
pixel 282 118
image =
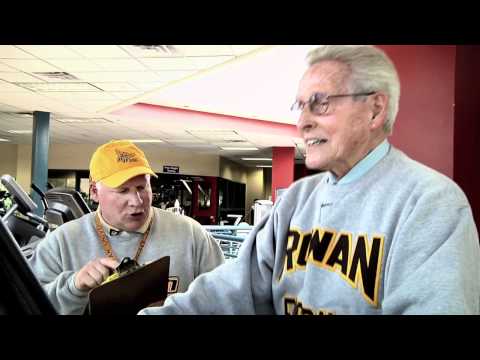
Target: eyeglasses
pixel 319 102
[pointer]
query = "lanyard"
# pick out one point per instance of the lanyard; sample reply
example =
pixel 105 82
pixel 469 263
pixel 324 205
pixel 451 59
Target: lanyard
pixel 108 247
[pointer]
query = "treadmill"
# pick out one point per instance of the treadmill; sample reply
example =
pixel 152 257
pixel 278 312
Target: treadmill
pixel 21 292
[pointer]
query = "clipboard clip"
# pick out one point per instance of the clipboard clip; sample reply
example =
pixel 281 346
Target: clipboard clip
pixel 126 265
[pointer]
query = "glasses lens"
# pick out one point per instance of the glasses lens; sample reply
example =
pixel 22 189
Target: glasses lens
pixel 318 107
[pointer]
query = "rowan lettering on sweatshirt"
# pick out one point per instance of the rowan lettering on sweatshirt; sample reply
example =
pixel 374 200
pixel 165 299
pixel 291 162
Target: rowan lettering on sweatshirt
pixel 357 262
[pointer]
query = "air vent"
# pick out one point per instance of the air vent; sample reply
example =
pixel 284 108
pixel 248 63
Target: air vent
pixel 166 49
pixel 58 75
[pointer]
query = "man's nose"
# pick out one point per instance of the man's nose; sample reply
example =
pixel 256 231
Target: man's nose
pixel 305 122
pixel 135 199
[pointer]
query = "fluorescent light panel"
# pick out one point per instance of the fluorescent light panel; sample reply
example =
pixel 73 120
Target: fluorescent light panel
pixel 146 141
pixel 1 139
pixel 238 148
pixel 20 131
pixel 257 159
pixel 264 166
pixel 84 120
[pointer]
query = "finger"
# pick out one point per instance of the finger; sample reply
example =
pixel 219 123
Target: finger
pixel 96 275
pixel 89 282
pixel 102 269
pixel 109 262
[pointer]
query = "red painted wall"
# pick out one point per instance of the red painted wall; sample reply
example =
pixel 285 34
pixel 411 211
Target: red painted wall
pixel 199 119
pixel 425 124
pixel 283 163
pixel 467 124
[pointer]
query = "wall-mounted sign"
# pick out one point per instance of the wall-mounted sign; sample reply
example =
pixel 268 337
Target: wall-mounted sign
pixel 171 169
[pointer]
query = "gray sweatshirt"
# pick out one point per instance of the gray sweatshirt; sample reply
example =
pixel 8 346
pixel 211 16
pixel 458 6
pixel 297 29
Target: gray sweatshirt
pixel 399 239
pixel 66 250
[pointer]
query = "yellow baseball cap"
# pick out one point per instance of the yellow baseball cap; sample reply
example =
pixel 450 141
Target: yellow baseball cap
pixel 117 162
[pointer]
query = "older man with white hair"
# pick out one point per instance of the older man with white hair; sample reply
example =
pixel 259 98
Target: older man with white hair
pixel 375 233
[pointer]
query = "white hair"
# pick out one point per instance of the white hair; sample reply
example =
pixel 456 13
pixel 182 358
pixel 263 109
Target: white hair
pixel 370 70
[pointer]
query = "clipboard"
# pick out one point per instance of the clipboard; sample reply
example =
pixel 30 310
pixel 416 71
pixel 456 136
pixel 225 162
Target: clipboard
pixel 132 292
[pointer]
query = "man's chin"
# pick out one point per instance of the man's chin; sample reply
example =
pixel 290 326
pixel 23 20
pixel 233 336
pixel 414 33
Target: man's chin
pixel 133 224
pixel 314 164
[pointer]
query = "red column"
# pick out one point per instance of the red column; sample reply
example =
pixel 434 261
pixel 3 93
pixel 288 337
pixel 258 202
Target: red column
pixel 283 164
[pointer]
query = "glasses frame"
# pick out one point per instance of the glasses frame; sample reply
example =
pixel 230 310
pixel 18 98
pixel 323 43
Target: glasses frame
pixel 313 101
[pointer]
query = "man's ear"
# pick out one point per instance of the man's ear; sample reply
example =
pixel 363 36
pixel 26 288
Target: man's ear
pixel 379 110
pixel 94 191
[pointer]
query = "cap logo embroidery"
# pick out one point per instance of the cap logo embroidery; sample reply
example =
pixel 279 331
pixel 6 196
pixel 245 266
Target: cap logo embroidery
pixel 125 157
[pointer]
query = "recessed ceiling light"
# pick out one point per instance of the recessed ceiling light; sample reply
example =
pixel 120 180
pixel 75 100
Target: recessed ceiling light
pixel 146 141
pixel 20 131
pixel 84 120
pixel 238 148
pixel 264 166
pixel 255 159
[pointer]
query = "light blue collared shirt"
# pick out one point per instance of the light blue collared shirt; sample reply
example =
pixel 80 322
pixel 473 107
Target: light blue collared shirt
pixel 363 165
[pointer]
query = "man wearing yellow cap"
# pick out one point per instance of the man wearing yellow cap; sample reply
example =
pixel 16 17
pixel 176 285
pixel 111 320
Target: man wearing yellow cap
pixel 79 255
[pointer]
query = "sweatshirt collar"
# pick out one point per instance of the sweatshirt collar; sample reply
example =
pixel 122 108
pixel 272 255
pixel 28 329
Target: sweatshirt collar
pixel 363 166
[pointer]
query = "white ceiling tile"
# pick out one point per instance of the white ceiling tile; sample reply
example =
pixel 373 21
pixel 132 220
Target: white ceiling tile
pixel 123 95
pixel 118 76
pixel 34 101
pixel 204 50
pixel 81 96
pixel 18 77
pixel 172 63
pixel 5 68
pixel 75 65
pixel 244 49
pixel 115 86
pixel 50 51
pixel 7 87
pixel 60 87
pixel 100 51
pixel 97 105
pixel 13 52
pixel 147 86
pixel 30 65
pixel 8 108
pixel 178 135
pixel 120 64
pixel 173 75
pixel 203 62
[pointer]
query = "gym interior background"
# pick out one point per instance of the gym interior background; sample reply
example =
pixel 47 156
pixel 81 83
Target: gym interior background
pixel 199 111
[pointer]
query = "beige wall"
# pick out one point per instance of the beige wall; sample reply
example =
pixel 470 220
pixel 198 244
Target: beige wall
pixel 16 160
pixel 267 183
pixel 24 166
pixel 232 171
pixel 8 159
pixel 70 157
pixel 64 156
pixel 190 163
pixel 255 189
